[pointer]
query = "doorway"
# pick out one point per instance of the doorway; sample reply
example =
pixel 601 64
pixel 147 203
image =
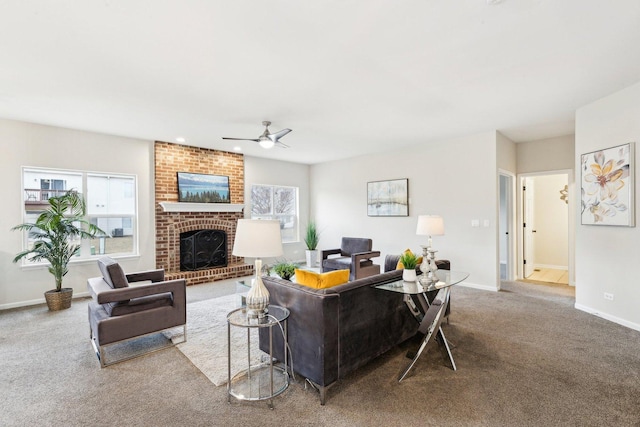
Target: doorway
pixel 545 227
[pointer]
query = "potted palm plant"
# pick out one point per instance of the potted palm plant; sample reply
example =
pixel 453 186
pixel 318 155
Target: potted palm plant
pixel 311 239
pixel 56 233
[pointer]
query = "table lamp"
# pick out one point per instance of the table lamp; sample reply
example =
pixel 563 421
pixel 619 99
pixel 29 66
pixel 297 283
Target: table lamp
pixel 257 238
pixel 429 225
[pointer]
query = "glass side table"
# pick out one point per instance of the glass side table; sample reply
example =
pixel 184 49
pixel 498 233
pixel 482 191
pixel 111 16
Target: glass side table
pixel 263 381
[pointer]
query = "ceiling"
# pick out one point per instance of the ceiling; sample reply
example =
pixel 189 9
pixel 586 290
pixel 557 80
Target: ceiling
pixel 349 77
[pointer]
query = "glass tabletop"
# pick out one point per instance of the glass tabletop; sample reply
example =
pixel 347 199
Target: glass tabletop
pixel 275 314
pixel 446 278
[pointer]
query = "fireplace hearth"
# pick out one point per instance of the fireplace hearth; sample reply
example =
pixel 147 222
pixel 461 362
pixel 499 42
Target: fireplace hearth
pixel 203 249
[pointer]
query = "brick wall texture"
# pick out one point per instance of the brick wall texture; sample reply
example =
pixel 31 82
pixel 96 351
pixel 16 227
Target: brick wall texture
pixel 170 159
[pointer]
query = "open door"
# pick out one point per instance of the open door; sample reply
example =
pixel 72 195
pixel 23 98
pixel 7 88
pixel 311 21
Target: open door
pixel 528 227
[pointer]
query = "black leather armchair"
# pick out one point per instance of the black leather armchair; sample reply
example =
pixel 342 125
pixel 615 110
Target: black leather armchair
pixel 354 255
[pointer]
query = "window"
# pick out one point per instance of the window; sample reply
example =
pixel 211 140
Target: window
pixel 281 203
pixel 111 205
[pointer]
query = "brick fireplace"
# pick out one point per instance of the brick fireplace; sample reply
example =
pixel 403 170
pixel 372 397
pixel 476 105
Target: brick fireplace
pixel 173 218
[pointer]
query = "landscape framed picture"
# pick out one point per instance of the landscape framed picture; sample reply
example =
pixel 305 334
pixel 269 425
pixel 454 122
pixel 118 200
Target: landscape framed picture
pixel 203 188
pixel 388 198
pixel 607 180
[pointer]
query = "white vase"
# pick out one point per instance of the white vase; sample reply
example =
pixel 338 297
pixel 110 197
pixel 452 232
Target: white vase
pixel 312 257
pixel 409 274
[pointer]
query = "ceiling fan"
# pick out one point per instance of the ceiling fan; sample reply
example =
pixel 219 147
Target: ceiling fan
pixel 267 139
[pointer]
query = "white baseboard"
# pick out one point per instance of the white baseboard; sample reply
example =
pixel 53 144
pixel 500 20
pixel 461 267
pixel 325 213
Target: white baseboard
pixel 37 301
pixel 614 319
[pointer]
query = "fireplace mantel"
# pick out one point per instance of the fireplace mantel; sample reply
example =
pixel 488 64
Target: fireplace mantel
pixel 200 207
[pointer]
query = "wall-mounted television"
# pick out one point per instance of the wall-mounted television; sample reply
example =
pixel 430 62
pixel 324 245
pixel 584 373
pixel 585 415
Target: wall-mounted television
pixel 203 188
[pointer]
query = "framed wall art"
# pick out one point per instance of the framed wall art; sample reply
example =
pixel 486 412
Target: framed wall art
pixel 388 198
pixel 203 188
pixel 607 181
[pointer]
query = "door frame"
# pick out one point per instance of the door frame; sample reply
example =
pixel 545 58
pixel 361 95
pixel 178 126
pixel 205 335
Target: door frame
pixel 527 225
pixel 510 227
pixel 571 220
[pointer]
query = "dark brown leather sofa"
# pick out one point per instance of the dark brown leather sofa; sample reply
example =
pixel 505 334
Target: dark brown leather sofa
pixel 334 331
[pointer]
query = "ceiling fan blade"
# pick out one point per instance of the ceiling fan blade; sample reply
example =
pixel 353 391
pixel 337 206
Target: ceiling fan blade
pixel 278 135
pixel 241 139
pixel 281 144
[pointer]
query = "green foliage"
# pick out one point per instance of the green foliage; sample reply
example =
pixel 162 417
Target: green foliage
pixel 204 197
pixel 56 231
pixel 285 269
pixel 409 260
pixel 311 237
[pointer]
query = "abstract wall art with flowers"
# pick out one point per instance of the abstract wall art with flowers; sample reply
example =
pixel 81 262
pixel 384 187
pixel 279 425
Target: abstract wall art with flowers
pixel 607 186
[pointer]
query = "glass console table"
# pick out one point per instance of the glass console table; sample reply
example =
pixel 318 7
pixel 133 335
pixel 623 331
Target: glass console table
pixel 428 314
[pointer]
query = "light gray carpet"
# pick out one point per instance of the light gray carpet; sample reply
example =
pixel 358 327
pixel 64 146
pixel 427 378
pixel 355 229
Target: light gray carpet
pixel 206 345
pixel 525 357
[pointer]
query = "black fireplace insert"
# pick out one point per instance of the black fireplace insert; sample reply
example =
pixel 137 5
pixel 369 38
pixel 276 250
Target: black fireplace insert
pixel 203 249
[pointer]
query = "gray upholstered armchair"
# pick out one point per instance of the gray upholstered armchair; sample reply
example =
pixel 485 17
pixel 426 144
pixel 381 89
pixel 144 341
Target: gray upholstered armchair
pixel 119 312
pixel 354 255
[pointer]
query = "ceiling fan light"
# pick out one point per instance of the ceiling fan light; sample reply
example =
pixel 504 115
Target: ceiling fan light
pixel 266 143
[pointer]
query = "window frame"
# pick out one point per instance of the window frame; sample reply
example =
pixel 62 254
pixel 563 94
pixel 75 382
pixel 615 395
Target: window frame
pixel 273 215
pixel 85 254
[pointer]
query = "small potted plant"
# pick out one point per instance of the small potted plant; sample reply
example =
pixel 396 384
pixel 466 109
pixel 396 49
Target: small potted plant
pixel 409 262
pixel 285 269
pixel 311 239
pixel 55 234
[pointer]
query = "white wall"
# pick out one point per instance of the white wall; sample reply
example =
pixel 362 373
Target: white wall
pixel 546 154
pixel 25 144
pixel 454 178
pixel 606 256
pixel 506 158
pixel 551 222
pixel 273 172
pixel 507 154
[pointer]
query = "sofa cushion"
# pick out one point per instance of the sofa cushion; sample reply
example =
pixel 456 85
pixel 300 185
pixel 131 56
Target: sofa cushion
pixel 400 266
pixel 135 305
pixel 321 280
pixel 112 273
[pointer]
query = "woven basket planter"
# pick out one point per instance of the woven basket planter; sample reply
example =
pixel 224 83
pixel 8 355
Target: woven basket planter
pixel 59 300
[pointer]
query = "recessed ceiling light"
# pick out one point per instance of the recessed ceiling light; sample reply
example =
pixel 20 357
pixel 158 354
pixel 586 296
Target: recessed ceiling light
pixel 236 148
pixel 494 1
pixel 181 139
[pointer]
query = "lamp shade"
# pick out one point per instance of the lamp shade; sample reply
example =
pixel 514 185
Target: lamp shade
pixel 430 225
pixel 257 238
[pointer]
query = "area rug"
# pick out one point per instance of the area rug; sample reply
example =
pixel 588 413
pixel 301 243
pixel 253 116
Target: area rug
pixel 206 345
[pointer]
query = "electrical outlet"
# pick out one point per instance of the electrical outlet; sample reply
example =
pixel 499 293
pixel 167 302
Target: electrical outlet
pixel 608 296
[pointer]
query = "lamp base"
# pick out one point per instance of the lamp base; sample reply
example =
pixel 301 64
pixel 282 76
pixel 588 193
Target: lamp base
pixel 257 314
pixel 258 296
